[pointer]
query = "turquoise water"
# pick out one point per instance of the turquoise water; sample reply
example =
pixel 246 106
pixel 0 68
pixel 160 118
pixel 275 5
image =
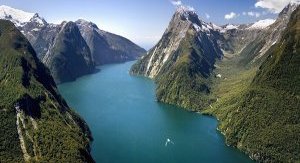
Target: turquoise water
pixel 128 125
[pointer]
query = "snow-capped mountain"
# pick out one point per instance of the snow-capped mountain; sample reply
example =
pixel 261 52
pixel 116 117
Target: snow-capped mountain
pixel 185 23
pixel 104 47
pixel 255 50
pixel 18 17
pixel 189 48
pixel 182 59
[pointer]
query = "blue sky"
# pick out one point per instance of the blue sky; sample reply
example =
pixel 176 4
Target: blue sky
pixel 144 21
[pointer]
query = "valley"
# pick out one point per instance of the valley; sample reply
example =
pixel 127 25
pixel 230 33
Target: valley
pixel 74 92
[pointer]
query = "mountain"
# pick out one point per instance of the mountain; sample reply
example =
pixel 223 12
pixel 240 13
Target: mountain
pixel 263 119
pixel 182 61
pixel 104 47
pixel 39 33
pixel 69 57
pixel 107 47
pixel 246 75
pixel 36 123
pixel 254 52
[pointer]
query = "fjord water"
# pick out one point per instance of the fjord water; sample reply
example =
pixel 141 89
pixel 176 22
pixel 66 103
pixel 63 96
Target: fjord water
pixel 128 125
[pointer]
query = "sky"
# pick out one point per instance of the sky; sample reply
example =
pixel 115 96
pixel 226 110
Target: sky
pixel 144 21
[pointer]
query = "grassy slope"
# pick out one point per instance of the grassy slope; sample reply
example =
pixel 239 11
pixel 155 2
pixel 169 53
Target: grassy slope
pixel 24 78
pixel 262 117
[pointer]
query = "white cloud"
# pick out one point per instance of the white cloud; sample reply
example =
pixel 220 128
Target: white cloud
pixel 251 13
pixel 176 2
pixel 207 15
pixel 179 4
pixel 274 6
pixel 230 16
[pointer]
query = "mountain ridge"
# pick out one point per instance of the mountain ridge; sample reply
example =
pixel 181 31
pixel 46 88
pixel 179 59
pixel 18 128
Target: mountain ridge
pixel 104 47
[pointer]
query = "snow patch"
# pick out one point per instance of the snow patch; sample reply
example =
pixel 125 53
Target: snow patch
pixel 231 26
pixel 216 27
pixel 261 24
pixel 35 29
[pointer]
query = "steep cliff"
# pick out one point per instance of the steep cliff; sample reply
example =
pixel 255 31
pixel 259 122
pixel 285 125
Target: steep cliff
pixel 69 57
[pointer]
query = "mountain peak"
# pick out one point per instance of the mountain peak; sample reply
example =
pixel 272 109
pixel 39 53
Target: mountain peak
pixel 185 9
pixel 186 12
pixel 16 16
pixel 295 2
pixel 85 23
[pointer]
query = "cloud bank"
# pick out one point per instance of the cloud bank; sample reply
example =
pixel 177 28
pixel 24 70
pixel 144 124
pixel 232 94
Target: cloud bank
pixel 252 14
pixel 274 6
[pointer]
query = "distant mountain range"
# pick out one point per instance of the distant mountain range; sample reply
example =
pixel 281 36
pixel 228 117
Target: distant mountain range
pixel 50 41
pixel 246 75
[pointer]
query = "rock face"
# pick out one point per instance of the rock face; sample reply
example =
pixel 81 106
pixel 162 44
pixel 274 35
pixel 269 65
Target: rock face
pixel 36 123
pixel 69 57
pixel 107 47
pixel 40 34
pixel 182 60
pixel 104 47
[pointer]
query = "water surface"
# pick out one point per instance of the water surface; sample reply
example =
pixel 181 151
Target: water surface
pixel 128 125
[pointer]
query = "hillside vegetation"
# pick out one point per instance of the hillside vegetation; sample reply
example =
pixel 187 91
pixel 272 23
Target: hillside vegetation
pixel 36 123
pixel 262 117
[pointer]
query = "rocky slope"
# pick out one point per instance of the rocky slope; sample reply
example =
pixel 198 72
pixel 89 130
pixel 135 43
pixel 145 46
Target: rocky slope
pixel 69 57
pixel 254 52
pixel 36 123
pixel 182 61
pixel 107 47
